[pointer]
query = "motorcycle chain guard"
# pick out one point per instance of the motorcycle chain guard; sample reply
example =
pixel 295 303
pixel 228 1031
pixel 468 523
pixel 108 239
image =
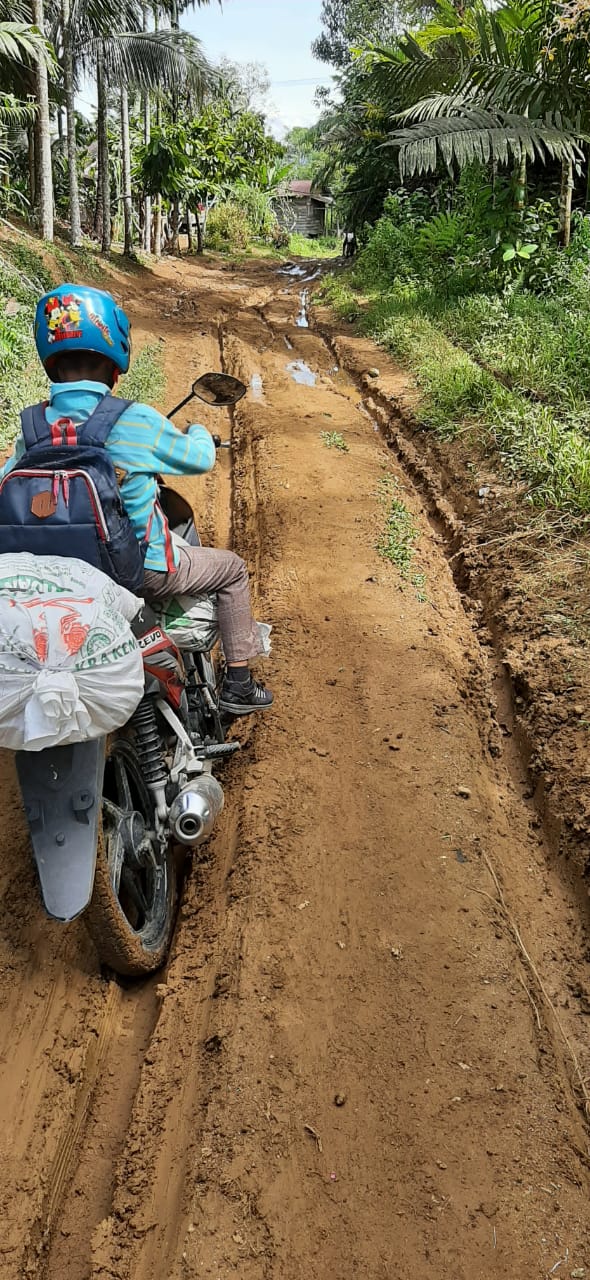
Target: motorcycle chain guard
pixel 62 794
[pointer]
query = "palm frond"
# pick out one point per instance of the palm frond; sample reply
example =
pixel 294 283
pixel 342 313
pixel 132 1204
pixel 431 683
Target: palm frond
pixel 22 43
pixel 171 60
pixel 478 135
pixel 531 93
pixel 15 114
pixel 394 78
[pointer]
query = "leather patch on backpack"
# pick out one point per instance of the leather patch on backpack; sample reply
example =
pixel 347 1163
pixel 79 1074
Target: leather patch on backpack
pixel 43 504
pixel 121 476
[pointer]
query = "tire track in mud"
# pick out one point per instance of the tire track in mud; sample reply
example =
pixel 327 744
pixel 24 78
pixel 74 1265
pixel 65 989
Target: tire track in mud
pixel 91 1170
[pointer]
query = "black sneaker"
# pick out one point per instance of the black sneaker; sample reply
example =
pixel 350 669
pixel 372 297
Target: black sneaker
pixel 241 697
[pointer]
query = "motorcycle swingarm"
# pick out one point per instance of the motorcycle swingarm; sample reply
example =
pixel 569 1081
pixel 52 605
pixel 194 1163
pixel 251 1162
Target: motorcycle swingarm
pixel 62 794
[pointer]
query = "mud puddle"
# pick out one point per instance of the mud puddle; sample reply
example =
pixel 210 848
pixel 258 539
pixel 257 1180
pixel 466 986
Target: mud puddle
pixel 257 387
pixel 300 372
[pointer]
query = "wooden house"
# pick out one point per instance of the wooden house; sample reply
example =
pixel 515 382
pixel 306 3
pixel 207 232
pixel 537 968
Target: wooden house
pixel 301 208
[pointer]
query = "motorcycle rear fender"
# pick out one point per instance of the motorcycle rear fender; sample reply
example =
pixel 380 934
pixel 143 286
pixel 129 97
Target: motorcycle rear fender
pixel 62 793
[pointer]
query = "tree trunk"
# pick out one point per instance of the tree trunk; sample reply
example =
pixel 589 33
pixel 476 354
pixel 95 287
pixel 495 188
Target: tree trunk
pixel 69 92
pixel 33 167
pixel 158 228
pixel 565 202
pixel 520 186
pixel 45 187
pixel 126 174
pixel 147 203
pixel 158 217
pixel 199 234
pixel 147 131
pixel 174 221
pixel 103 174
pixel 189 229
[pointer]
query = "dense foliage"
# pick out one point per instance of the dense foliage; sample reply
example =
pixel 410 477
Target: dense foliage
pixel 458 149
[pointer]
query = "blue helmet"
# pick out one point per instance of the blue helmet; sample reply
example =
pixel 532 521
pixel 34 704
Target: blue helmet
pixel 75 318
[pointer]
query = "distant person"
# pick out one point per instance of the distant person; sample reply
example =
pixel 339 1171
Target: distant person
pixel 349 245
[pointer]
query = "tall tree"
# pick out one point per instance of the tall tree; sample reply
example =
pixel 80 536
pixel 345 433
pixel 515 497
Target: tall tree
pixel 69 82
pixel 147 126
pixel 43 133
pixel 348 23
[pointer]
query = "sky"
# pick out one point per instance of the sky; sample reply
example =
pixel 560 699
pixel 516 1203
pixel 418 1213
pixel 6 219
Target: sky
pixel 277 33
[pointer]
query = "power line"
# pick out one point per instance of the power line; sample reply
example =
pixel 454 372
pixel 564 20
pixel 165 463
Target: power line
pixel 311 80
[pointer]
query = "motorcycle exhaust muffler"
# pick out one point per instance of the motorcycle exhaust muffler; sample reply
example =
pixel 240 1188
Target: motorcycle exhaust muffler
pixel 195 810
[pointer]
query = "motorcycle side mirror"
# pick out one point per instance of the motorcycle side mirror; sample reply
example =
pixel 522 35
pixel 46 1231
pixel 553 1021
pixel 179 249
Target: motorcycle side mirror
pixel 219 389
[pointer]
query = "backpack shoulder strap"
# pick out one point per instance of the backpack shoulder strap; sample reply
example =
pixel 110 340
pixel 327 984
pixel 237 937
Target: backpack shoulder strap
pixel 99 425
pixel 34 425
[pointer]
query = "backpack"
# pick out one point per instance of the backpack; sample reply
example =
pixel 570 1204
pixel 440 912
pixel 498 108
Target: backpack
pixel 62 497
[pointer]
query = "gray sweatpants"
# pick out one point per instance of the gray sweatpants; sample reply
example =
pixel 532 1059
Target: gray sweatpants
pixel 221 573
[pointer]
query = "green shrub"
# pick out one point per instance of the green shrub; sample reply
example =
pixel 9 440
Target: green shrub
pixel 22 379
pixel 258 209
pixel 228 227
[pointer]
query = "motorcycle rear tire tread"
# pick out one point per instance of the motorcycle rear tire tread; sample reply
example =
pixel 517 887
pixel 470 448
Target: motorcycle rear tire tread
pixel 117 946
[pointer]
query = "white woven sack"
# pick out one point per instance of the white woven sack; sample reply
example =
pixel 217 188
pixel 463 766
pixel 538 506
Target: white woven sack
pixel 70 667
pixel 23 576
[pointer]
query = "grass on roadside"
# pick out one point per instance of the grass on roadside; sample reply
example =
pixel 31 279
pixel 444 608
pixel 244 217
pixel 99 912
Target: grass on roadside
pixel 542 445
pixel 398 539
pixel 321 247
pixel 146 380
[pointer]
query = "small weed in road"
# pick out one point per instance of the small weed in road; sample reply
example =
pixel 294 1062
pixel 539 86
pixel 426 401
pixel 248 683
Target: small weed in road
pixel 334 440
pixel 397 542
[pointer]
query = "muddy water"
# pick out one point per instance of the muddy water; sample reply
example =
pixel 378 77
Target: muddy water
pixel 300 372
pixel 349 1067
pixel 302 320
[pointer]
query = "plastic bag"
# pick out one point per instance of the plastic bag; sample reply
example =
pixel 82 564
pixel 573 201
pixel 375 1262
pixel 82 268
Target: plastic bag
pixel 70 667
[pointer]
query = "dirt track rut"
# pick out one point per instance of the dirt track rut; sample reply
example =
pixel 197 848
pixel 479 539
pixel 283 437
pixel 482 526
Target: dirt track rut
pixel 361 1060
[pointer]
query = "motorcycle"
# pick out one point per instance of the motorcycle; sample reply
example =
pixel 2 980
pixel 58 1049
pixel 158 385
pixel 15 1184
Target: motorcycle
pixel 108 817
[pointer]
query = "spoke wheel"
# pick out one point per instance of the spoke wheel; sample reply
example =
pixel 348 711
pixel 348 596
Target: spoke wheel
pixel 132 913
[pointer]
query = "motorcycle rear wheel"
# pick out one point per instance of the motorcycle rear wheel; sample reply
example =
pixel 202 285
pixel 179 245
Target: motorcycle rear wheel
pixel 132 913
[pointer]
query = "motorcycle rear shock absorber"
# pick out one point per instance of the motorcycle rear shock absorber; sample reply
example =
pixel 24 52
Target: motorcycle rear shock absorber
pixel 149 749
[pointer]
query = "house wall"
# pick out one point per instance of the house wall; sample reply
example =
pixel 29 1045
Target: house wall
pixel 308 217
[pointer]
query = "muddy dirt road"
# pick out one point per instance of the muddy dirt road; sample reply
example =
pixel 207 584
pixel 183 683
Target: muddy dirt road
pixel 364 1059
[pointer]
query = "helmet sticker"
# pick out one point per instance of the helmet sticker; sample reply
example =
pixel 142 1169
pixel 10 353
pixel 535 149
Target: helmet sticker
pixel 63 317
pixel 104 328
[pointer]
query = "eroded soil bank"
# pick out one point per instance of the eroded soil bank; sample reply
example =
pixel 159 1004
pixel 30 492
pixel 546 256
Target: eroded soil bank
pixel 366 1056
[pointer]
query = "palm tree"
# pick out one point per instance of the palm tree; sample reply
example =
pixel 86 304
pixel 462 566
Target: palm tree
pixel 69 81
pixel 105 39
